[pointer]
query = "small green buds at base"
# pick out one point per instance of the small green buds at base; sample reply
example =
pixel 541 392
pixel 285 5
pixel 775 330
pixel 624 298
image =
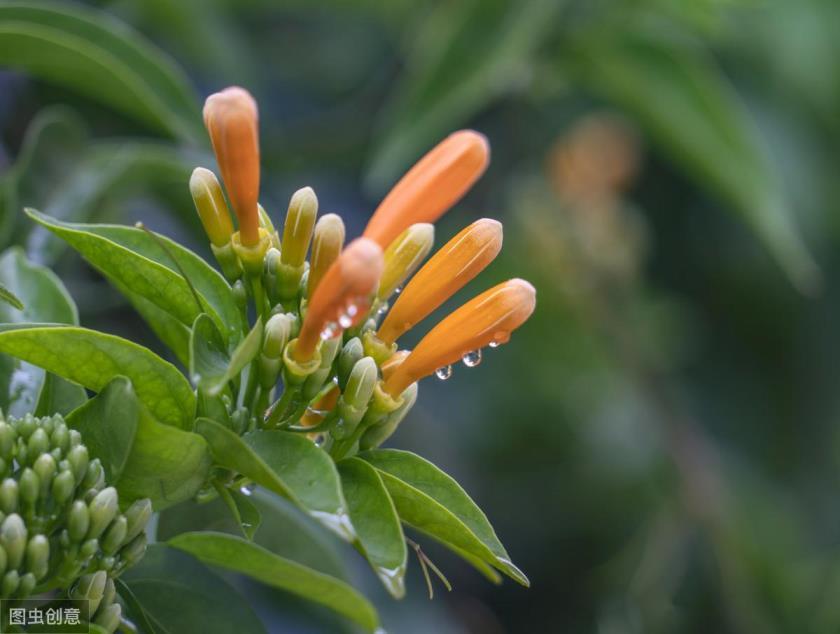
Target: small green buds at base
pixel 78 521
pixel 228 261
pixel 115 535
pixel 9 496
pixel 13 535
pixel 350 354
pixel 354 401
pixel 403 256
pixel 38 556
pixel 92 588
pixel 381 431
pixel 211 207
pixel 102 510
pixel 326 247
pixel 278 330
pixel 137 515
pixel 295 372
pixel 109 618
pixel 252 257
pixel 297 233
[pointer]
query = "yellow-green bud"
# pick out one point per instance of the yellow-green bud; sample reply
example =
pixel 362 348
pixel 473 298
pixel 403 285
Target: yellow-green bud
pixel 92 588
pixel 265 223
pixel 7 440
pixel 26 586
pixel 38 556
pixel 315 381
pixel 45 468
pixel 78 521
pixel 26 426
pixel 277 331
pixel 228 261
pixel 63 486
pixel 93 474
pixel 103 508
pixel 110 592
pixel 134 551
pixel 376 348
pixel 350 354
pixel 211 207
pixel 89 548
pixel 252 257
pixel 115 535
pixel 327 242
pixel 13 539
pixel 403 256
pixel 79 461
pixel 109 618
pixel 9 496
pixel 60 438
pixel 30 485
pixel 295 372
pixel 381 431
pixel 354 400
pixel 10 583
pixel 39 442
pixel 297 230
pixel 138 515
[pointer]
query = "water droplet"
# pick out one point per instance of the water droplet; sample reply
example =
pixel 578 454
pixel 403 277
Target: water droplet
pixel 352 310
pixel 330 330
pixel 398 290
pixel 472 359
pixel 382 309
pixel 345 321
pixel 339 430
pixel 444 373
pixel 247 489
pixel 320 439
pixel 495 344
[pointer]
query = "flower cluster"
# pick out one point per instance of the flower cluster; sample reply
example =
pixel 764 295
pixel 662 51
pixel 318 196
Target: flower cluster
pixel 60 526
pixel 329 333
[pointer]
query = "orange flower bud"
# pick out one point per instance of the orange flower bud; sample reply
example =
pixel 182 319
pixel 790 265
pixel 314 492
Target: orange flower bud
pixel 342 297
pixel 447 271
pixel 231 119
pixel 432 186
pixel 486 319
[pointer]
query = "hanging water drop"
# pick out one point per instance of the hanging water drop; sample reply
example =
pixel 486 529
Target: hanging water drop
pixel 247 489
pixel 345 321
pixel 398 290
pixel 352 310
pixel 444 373
pixel 329 331
pixel 495 344
pixel 382 309
pixel 472 358
pixel 319 440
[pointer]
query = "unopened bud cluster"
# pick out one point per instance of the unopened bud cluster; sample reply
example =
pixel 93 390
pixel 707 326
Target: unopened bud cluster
pixel 328 333
pixel 58 519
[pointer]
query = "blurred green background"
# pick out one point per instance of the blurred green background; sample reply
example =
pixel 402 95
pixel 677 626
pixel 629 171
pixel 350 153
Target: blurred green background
pixel 658 447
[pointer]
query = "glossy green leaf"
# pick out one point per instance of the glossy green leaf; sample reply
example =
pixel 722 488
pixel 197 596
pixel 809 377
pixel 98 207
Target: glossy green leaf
pixel 59 396
pixel 285 529
pixel 286 463
pixel 380 535
pixel 134 610
pixel 236 554
pixel 178 594
pixel 45 300
pixel 145 275
pixel 431 501
pixel 245 513
pixel 10 298
pixel 90 52
pixel 93 359
pixel 697 118
pixel 172 333
pixel 108 424
pixel 210 366
pixel 464 56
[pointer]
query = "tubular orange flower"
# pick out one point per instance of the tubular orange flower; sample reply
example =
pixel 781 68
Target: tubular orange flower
pixel 432 186
pixel 486 319
pixel 315 414
pixel 342 297
pixel 448 270
pixel 231 119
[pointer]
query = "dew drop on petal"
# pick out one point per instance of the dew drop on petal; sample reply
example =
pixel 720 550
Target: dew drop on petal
pixel 444 373
pixel 398 290
pixel 352 310
pixel 495 344
pixel 345 321
pixel 247 489
pixel 330 330
pixel 382 310
pixel 319 440
pixel 472 358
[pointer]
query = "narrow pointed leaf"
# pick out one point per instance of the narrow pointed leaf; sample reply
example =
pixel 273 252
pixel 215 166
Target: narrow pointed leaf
pixel 91 52
pixel 10 298
pixel 92 359
pixel 211 367
pixel 431 501
pixel 45 299
pixel 287 464
pixel 234 553
pixel 245 513
pixel 380 535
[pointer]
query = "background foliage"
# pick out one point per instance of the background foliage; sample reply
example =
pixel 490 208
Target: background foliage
pixel 658 449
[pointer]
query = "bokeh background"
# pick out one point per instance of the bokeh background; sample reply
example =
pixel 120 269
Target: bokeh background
pixel 658 447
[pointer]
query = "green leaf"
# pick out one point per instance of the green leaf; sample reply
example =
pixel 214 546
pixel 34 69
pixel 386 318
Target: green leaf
pixel 59 396
pixel 45 300
pixel 10 298
pixel 173 334
pixel 92 53
pixel 686 104
pixel 285 530
pixel 179 594
pixel 377 524
pixel 145 274
pixel 465 55
pixel 135 611
pixel 210 366
pixel 92 359
pixel 286 463
pixel 245 513
pixel 108 425
pixel 142 458
pixel 431 501
pixel 236 554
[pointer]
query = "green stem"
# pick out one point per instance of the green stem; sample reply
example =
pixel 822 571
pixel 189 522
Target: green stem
pixel 280 409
